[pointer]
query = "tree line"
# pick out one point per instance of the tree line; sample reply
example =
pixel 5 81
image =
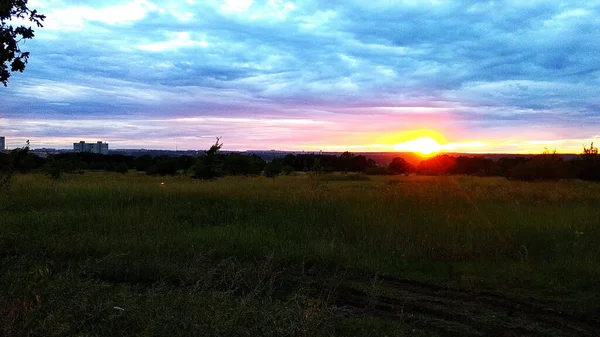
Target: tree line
pixel 213 164
pixel 545 166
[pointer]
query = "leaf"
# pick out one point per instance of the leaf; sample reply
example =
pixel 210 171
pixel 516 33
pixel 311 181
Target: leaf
pixel 17 65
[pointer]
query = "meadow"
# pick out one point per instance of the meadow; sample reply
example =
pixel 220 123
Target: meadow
pixel 107 254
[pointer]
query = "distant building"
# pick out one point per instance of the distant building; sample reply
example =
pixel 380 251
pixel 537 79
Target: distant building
pixel 2 143
pixel 97 147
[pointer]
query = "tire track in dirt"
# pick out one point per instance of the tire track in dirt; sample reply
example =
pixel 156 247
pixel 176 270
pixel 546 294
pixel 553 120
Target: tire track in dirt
pixel 454 312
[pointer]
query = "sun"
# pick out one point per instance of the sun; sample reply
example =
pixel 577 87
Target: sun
pixel 423 146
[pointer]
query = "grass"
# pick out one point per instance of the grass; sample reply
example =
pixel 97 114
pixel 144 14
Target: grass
pixel 108 254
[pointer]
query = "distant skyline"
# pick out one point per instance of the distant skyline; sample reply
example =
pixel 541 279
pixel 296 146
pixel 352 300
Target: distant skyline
pixel 477 76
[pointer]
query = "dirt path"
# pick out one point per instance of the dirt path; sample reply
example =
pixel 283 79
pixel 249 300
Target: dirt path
pixel 459 313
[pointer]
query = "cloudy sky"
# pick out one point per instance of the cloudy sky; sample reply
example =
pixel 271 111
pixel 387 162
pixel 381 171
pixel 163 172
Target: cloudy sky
pixel 482 76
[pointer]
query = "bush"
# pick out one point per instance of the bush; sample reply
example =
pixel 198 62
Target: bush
pixel 122 168
pixel 274 168
pixel 441 164
pixel 240 164
pixel 5 179
pixel 545 166
pixel 210 165
pixel 587 165
pixel 55 168
pixel 400 166
pixel 6 170
pixel 206 171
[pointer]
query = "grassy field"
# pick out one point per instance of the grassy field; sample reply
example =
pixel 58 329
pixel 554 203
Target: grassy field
pixel 104 254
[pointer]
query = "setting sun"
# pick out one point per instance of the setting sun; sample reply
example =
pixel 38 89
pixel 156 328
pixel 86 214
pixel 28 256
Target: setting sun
pixel 423 145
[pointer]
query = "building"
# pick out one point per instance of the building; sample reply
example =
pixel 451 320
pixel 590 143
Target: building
pixel 97 147
pixel 2 144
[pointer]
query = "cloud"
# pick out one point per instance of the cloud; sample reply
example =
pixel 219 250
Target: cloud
pixel 179 40
pixel 468 68
pixel 77 17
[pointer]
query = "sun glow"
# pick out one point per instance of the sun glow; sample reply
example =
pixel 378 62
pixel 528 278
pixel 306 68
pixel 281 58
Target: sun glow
pixel 423 145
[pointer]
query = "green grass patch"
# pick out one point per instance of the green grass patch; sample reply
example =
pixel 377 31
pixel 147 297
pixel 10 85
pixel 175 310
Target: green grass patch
pixel 233 256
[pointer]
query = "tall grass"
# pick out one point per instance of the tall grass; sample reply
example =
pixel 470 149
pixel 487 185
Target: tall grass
pixel 232 242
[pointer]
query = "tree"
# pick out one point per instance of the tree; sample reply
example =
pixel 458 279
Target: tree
pixel 240 164
pixel 12 58
pixel 273 169
pixel 588 164
pixel 400 166
pixel 546 166
pixel 209 166
pixel 6 170
pixel 440 164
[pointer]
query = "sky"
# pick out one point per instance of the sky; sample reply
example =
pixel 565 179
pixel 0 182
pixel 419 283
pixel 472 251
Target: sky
pixel 477 76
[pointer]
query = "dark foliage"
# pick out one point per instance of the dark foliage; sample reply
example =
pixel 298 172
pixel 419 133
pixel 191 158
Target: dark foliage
pixel 209 165
pixel 213 164
pixel 25 161
pixel 142 163
pixel 274 168
pixel 163 165
pixel 56 166
pixel 400 166
pixel 122 168
pixel 239 164
pixel 588 164
pixel 93 161
pixel 6 170
pixel 545 166
pixel 12 58
pixel 346 162
pixel 472 166
pixel 505 165
pixel 441 164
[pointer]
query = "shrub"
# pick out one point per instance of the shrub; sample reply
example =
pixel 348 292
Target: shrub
pixel 122 168
pixel 587 164
pixel 545 166
pixel 274 168
pixel 210 165
pixel 399 166
pixel 6 170
pixel 441 164
pixel 241 164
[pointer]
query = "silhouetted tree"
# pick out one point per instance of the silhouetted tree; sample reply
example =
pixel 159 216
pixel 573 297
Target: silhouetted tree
pixel 12 58
pixel 209 166
pixel 440 164
pixel 588 164
pixel 25 161
pixel 6 170
pixel 273 168
pixel 163 165
pixel 505 165
pixel 472 166
pixel 184 163
pixel 143 162
pixel 545 166
pixel 400 166
pixel 240 164
pixel 55 168
pixel 345 162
